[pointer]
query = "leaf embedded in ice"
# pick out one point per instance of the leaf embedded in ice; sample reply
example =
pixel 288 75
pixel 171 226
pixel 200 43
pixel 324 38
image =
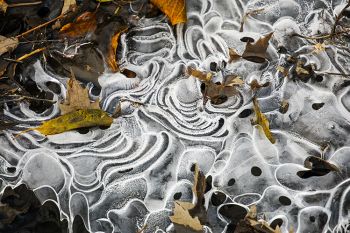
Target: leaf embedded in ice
pixel 262 120
pixel 174 9
pixel 111 60
pixel 256 52
pixel 84 24
pixel 7 44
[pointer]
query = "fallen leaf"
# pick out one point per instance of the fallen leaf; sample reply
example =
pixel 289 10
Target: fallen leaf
pixel 256 52
pixel 282 70
pixel 284 107
pixel 203 76
pixel 68 5
pixel 262 121
pixel 77 98
pixel 111 60
pixel 174 9
pixel 7 44
pixel 317 167
pixel 3 6
pixel 319 47
pixel 84 24
pixel 233 80
pixel 183 221
pixel 234 56
pixel 75 120
pixel 255 85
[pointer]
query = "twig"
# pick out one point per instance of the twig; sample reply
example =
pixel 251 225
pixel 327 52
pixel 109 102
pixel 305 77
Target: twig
pixel 30 54
pixel 25 4
pixel 321 37
pixel 330 73
pixel 11 60
pixel 22 97
pixel 40 26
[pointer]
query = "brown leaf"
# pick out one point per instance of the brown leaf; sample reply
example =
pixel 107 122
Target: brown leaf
pixel 3 6
pixel 68 6
pixel 284 107
pixel 234 56
pixel 84 24
pixel 203 76
pixel 262 121
pixel 257 52
pixel 255 85
pixel 174 9
pixel 7 44
pixel 317 166
pixel 111 60
pixel 77 98
pixel 75 120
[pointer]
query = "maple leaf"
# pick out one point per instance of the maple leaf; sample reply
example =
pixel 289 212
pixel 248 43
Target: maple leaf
pixel 262 120
pixel 3 6
pixel 77 97
pixel 84 24
pixel 174 9
pixel 111 60
pixel 256 52
pixel 7 44
pixel 74 120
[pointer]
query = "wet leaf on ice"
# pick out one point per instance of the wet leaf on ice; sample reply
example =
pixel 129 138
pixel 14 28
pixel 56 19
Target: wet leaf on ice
pixel 317 167
pixel 3 6
pixel 77 98
pixel 75 120
pixel 111 60
pixel 189 217
pixel 319 47
pixel 203 76
pixel 174 9
pixel 262 120
pixel 7 44
pixel 234 56
pixel 84 24
pixel 256 52
pixel 68 5
pixel 255 85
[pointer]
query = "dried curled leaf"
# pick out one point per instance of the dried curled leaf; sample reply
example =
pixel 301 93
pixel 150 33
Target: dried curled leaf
pixel 174 9
pixel 3 6
pixel 262 121
pixel 203 76
pixel 256 52
pixel 111 60
pixel 7 44
pixel 77 98
pixel 84 24
pixel 68 6
pixel 75 120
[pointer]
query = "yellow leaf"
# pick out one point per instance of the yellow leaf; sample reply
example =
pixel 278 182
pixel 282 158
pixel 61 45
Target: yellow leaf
pixel 77 98
pixel 174 9
pixel 111 60
pixel 203 76
pixel 319 47
pixel 75 120
pixel 262 121
pixel 182 218
pixel 257 52
pixel 7 44
pixel 68 6
pixel 3 6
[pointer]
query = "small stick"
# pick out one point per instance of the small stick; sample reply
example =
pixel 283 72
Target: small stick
pixel 30 54
pixel 321 37
pixel 25 4
pixel 40 26
pixel 22 97
pixel 330 73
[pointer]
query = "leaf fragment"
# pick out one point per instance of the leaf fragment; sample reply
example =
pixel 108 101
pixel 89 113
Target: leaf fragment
pixel 84 24
pixel 111 60
pixel 234 56
pixel 77 98
pixel 7 44
pixel 256 52
pixel 68 5
pixel 319 47
pixel 317 167
pixel 75 120
pixel 183 220
pixel 262 120
pixel 3 6
pixel 174 9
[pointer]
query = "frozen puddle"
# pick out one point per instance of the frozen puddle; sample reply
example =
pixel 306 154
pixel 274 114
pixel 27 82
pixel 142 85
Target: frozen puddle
pixel 127 176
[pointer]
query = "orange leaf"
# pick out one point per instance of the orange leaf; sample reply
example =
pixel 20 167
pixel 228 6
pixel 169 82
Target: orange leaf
pixel 262 120
pixel 111 60
pixel 174 9
pixel 84 24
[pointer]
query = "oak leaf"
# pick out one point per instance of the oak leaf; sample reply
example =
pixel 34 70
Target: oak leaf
pixel 262 120
pixel 174 9
pixel 7 44
pixel 75 120
pixel 84 24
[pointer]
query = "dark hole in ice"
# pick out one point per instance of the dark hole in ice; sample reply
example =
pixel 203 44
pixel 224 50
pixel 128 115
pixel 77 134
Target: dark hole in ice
pixel 284 200
pixel 193 167
pixel 78 225
pixel 282 50
pixel 54 87
pixel 11 169
pixel 312 219
pixel 233 212
pixel 247 39
pixel 317 106
pixel 208 182
pixel 84 130
pixel 219 99
pixel 103 127
pixel 43 11
pixel 221 122
pixel 217 198
pixel 231 182
pixel 202 87
pixel 213 66
pixel 276 222
pixel 231 227
pixel 177 196
pixel 224 64
pixel 96 90
pixel 126 170
pixel 319 78
pixel 256 171
pixel 129 73
pixel 245 113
